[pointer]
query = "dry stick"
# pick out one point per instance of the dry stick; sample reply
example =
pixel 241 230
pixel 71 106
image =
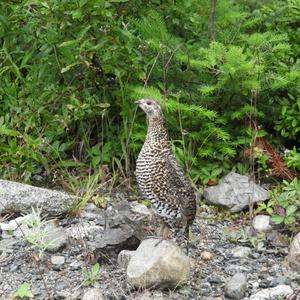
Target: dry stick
pixel 212 20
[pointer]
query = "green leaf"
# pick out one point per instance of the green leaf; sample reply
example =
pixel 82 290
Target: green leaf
pixel 277 219
pixel 23 291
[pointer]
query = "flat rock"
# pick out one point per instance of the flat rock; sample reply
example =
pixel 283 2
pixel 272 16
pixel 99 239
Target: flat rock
pixel 236 287
pixel 280 291
pixel 55 237
pixel 293 258
pixel 124 257
pixel 261 223
pixel 93 294
pixel 235 192
pixel 19 198
pixel 161 265
pixel 240 252
pixel 57 260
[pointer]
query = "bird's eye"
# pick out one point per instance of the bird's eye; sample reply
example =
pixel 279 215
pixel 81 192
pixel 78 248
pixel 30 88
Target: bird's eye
pixel 148 102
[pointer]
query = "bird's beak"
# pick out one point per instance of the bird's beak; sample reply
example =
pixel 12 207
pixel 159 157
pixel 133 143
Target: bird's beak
pixel 137 102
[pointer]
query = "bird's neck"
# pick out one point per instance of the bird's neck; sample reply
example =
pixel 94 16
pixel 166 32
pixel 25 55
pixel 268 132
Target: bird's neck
pixel 157 130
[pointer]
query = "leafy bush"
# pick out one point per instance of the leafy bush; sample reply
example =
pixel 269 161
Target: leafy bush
pixel 71 70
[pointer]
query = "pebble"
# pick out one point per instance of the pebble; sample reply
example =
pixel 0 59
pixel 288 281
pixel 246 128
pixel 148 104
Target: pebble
pixel 236 287
pixel 261 223
pixel 205 255
pixel 57 260
pixel 93 294
pixel 240 252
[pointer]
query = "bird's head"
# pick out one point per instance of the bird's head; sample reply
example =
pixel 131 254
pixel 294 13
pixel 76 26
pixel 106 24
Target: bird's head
pixel 150 107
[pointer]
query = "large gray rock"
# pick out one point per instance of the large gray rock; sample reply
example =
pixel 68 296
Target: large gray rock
pixel 278 292
pixel 236 287
pixel 293 258
pixel 17 197
pixel 158 265
pixel 235 192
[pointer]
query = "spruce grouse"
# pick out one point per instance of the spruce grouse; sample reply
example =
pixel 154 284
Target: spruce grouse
pixel 160 177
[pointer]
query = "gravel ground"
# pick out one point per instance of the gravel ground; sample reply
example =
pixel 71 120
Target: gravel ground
pixel 214 261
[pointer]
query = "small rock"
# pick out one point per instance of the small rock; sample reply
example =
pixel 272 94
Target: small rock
pixel 261 223
pixel 93 294
pixel 273 293
pixel 236 287
pixel 14 224
pixel 161 265
pixel 235 191
pixel 55 238
pixel 293 258
pixel 57 260
pixel 140 209
pixel 76 265
pixel 240 252
pixel 124 258
pixel 277 239
pixel 205 255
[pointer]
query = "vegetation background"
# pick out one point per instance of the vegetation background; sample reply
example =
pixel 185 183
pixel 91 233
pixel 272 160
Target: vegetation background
pixel 226 72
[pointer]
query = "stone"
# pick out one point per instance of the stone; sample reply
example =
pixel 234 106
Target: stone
pixel 280 291
pixel 124 258
pixel 235 192
pixel 261 223
pixel 240 252
pixel 93 294
pixel 140 209
pixel 123 230
pixel 156 264
pixel 15 223
pixel 19 198
pixel 236 287
pixel 55 237
pixel 205 255
pixel 57 260
pixel 293 258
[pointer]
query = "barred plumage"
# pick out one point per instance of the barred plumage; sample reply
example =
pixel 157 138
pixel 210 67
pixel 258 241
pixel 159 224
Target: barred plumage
pixel 160 177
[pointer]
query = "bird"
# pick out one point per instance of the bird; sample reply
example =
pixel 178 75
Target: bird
pixel 160 177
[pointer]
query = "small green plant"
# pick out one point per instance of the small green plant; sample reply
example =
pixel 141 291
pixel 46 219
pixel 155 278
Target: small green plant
pixel 92 275
pixel 293 159
pixel 37 233
pixel 244 236
pixel 23 291
pixel 284 206
pixel 208 174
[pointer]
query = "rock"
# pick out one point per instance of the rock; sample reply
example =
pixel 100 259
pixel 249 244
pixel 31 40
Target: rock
pixel 280 291
pixel 261 223
pixel 235 192
pixel 55 237
pixel 236 287
pixel 57 260
pixel 93 294
pixel 19 198
pixel 140 209
pixel 293 258
pixel 161 265
pixel 277 239
pixel 124 258
pixel 14 224
pixel 123 230
pixel 205 255
pixel 240 252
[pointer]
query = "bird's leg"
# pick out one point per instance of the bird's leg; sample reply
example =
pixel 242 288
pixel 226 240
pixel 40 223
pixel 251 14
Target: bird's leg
pixel 163 233
pixel 187 238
